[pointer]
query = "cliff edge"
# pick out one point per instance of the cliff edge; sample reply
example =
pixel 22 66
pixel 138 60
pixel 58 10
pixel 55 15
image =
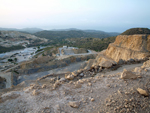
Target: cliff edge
pixel 128 47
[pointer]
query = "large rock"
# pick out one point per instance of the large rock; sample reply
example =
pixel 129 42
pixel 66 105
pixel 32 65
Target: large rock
pixel 89 64
pixel 128 75
pixel 106 64
pixel 142 92
pixel 103 60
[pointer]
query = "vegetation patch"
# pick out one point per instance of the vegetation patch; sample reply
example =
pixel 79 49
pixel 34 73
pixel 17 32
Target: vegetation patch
pixel 133 31
pixel 8 49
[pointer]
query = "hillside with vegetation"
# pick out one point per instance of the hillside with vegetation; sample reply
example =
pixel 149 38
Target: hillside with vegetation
pixel 8 49
pixel 90 43
pixel 89 39
pixel 87 43
pixel 133 31
pixel 24 30
pixel 52 35
pixel 14 40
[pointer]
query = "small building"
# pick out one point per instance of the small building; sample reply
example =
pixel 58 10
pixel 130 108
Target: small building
pixel 65 47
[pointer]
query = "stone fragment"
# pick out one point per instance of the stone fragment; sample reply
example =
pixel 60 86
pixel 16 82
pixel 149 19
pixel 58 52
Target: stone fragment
pixel 142 92
pixel 90 84
pixel 81 74
pixel 92 99
pixel 35 92
pixel 57 83
pixel 44 86
pixel 74 104
pixel 62 80
pixel 75 73
pixel 70 77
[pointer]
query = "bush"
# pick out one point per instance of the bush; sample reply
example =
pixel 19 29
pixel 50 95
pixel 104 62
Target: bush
pixel 10 60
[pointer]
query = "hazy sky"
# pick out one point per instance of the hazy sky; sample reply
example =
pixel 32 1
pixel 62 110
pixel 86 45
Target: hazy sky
pixel 106 15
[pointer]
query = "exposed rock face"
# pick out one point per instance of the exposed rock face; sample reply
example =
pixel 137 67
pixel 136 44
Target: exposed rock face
pixel 128 47
pixel 45 63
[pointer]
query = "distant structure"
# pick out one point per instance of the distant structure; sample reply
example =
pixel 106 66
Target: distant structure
pixel 65 47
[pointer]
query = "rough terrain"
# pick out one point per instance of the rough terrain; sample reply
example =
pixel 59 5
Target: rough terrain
pixel 117 81
pixel 101 93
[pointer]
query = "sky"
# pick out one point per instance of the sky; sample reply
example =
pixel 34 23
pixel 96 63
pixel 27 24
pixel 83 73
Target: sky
pixel 105 15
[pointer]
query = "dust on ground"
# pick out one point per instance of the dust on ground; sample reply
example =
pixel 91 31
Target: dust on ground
pixel 100 94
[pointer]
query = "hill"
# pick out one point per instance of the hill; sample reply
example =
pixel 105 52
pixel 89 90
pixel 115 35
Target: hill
pixel 133 31
pixel 90 43
pixel 25 30
pixel 13 40
pixel 74 34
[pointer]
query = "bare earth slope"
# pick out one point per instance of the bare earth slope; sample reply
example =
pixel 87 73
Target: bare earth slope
pixel 99 94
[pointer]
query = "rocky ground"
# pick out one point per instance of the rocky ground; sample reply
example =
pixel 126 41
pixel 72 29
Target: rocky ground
pixel 117 81
pixel 124 91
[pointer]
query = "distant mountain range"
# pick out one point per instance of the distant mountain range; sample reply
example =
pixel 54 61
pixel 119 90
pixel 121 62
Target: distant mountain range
pixel 64 33
pixel 26 30
pixel 92 31
pixel 34 30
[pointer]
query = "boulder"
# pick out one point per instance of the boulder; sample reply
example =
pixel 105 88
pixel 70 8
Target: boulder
pixel 106 64
pixel 89 64
pixel 128 75
pixel 142 92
